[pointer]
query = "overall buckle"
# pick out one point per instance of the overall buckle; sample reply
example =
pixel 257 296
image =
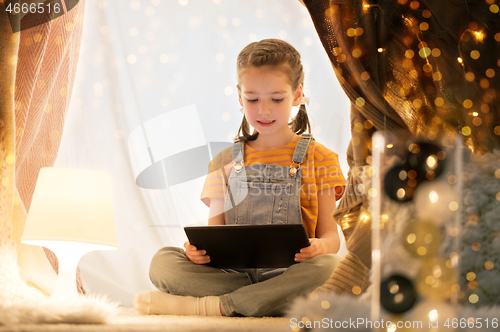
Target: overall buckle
pixel 238 166
pixel 294 167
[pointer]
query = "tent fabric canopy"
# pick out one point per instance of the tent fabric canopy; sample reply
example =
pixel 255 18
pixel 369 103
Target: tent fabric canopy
pixel 39 72
pixel 423 66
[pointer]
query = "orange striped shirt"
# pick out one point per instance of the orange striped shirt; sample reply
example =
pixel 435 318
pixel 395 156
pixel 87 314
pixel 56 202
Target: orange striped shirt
pixel 320 171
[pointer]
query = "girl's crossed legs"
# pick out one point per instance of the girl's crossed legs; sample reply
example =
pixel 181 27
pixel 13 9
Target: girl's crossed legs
pixel 172 272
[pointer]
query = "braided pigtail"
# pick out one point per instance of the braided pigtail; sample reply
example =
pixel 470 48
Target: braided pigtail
pixel 244 131
pixel 300 123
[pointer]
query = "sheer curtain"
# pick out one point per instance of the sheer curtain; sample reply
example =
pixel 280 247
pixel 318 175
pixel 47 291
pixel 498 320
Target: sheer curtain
pixel 155 98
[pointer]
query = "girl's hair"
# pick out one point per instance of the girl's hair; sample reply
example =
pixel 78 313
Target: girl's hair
pixel 282 56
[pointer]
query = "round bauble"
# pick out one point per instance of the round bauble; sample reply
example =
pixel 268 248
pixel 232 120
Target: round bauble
pixel 436 278
pixel 426 159
pixel 397 185
pixel 436 202
pixel 397 294
pixel 421 239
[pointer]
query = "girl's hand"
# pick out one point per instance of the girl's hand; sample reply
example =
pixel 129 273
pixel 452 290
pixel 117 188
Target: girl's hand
pixel 316 248
pixel 196 256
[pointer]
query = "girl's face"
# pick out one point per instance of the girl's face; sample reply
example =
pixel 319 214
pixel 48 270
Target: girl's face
pixel 267 99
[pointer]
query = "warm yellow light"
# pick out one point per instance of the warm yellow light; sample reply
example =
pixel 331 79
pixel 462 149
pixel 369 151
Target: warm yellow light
pixel 422 251
pixel 432 161
pixel 392 328
pixel 72 205
pixel 433 196
pixel 364 217
pixel 372 192
pixel 466 131
pixel 479 35
pixel 439 101
pixel 433 315
pixel 436 271
pixel 471 276
pixel 325 304
pixel 411 238
pixel 453 206
pixel 459 59
pixel 424 52
pixel 394 289
pixel 71 214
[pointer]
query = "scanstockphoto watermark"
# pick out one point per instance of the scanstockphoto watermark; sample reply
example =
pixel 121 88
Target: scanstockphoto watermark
pixel 306 190
pixel 357 323
pixel 362 172
pixel 325 182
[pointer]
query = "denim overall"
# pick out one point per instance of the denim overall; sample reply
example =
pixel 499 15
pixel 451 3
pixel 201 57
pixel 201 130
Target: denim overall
pixel 261 194
pixel 247 202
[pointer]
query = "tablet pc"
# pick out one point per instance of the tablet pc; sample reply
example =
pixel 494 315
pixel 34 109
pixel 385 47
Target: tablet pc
pixel 249 246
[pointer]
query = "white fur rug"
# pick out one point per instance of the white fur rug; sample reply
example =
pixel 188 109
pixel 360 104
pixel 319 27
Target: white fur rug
pixel 84 310
pixel 128 320
pixel 328 311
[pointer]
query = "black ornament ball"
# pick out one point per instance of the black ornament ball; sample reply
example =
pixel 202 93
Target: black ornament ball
pixel 397 294
pixel 398 186
pixel 426 159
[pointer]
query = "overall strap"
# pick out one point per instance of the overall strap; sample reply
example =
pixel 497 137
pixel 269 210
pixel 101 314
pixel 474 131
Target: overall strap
pixel 300 153
pixel 238 150
pixel 238 154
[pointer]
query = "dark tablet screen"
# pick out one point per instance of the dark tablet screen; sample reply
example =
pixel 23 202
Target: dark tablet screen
pixel 249 246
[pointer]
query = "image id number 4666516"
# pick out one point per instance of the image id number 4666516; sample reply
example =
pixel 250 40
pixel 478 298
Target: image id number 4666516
pixel 471 323
pixel 32 8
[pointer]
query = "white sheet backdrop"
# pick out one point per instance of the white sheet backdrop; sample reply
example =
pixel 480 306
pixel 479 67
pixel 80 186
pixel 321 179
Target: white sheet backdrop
pixel 161 74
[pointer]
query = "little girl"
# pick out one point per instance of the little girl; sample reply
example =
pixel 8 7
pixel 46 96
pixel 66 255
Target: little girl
pixel 287 178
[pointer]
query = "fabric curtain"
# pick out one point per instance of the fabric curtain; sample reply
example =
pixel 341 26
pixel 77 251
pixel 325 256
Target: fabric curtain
pixel 423 68
pixel 155 98
pixel 39 70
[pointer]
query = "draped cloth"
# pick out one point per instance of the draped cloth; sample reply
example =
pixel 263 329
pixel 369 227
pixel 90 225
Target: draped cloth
pixel 38 67
pixel 427 69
